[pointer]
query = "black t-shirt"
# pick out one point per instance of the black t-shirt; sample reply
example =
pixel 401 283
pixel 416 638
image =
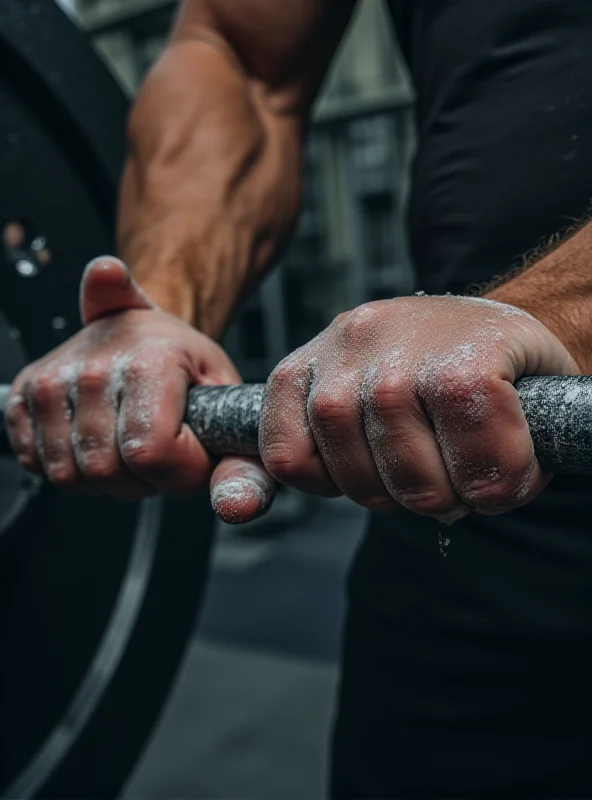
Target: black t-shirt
pixel 470 674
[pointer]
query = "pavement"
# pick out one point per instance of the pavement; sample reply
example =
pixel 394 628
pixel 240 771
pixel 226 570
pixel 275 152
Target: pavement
pixel 251 713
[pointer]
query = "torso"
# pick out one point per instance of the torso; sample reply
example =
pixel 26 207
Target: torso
pixel 504 118
pixel 470 674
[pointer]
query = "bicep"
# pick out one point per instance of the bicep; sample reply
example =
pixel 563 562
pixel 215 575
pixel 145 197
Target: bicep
pixel 285 45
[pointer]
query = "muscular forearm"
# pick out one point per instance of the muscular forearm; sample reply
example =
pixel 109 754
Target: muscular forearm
pixel 557 290
pixel 211 186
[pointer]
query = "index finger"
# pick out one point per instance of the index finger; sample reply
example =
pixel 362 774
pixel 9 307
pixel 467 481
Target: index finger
pixel 154 441
pixel 486 444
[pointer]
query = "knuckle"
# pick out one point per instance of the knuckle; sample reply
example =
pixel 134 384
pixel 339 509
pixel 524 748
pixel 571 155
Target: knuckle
pixel 496 491
pixel 141 454
pixel 283 376
pixel 94 459
pixel 380 504
pixel 92 378
pixel 45 388
pixel 428 501
pixel 389 394
pixel 133 370
pixel 330 404
pixel 281 461
pixel 358 323
pixel 454 386
pixel 62 475
pixel 97 467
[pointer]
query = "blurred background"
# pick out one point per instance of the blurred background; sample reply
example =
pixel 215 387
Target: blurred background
pixel 252 711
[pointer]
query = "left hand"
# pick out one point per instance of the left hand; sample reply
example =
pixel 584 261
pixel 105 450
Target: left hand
pixel 410 402
pixel 104 412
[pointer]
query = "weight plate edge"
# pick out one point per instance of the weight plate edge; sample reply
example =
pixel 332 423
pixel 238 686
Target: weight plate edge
pixel 106 660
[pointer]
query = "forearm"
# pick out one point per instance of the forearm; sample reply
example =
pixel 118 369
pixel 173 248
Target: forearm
pixel 211 187
pixel 557 290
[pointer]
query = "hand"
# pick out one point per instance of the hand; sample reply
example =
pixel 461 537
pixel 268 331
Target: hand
pixel 410 402
pixel 104 412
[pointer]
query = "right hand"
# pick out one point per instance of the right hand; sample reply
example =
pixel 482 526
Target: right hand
pixel 104 411
pixel 411 403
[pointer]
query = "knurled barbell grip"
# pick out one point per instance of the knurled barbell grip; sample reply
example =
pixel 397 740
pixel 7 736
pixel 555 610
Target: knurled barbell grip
pixel 558 410
pixel 226 418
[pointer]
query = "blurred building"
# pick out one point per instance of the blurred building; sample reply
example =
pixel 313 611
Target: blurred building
pixel 350 244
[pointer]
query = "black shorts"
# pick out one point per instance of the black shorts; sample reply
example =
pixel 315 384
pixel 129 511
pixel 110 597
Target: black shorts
pixel 468 675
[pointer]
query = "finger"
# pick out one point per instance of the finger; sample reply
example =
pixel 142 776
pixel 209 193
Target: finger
pixel 51 417
pixel 485 442
pixel 107 286
pixel 336 422
pixel 405 450
pixel 241 490
pixel 94 436
pixel 286 442
pixel 213 367
pixel 19 428
pixel 153 441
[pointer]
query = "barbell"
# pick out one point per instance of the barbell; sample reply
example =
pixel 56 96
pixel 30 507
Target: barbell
pixel 558 410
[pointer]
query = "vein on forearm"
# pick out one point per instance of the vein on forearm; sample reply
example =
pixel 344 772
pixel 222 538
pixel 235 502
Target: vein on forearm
pixel 211 188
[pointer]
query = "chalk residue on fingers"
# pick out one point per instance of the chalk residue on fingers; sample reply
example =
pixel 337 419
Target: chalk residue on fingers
pixel 119 367
pixel 242 496
pixel 147 376
pixel 68 374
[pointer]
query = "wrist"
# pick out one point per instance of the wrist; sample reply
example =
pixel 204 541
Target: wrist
pixel 189 295
pixel 197 282
pixel 563 309
pixel 176 298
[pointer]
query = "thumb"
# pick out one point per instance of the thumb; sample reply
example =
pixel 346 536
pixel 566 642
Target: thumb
pixel 107 286
pixel 241 489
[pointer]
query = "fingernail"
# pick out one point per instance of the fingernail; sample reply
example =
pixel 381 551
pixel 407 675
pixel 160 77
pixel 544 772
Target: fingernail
pixel 104 262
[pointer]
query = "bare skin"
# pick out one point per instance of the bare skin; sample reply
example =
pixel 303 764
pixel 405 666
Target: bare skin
pixel 104 412
pixel 404 402
pixel 410 402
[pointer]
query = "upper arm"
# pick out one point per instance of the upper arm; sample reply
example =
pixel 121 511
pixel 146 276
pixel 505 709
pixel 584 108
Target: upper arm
pixel 285 45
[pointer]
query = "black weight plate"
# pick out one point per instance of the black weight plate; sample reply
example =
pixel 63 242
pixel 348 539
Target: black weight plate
pixel 97 598
pixel 52 63
pixel 66 613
